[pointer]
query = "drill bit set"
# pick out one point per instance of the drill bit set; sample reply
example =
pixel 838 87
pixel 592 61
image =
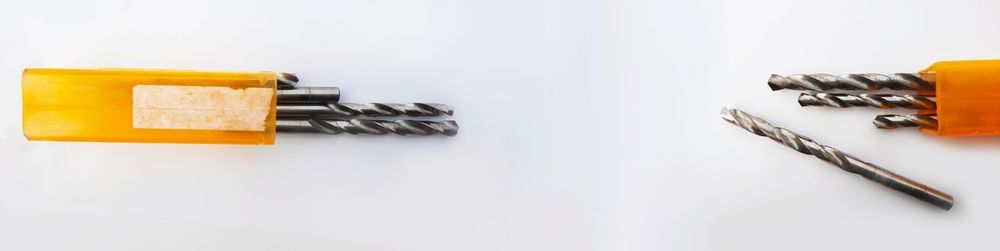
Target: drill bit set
pixel 174 106
pixel 950 98
pixel 317 109
pixel 816 85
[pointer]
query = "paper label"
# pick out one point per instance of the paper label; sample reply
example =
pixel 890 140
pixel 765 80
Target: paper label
pixel 200 107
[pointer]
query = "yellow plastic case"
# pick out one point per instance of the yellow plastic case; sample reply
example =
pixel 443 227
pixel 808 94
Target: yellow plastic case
pixel 968 97
pixel 120 105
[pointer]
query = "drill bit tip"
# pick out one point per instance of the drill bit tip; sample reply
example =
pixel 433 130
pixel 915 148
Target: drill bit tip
pixel 286 80
pixel 777 82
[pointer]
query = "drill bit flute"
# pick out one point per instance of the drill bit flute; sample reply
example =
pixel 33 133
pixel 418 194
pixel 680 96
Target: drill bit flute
pixel 862 81
pixel 368 126
pixel 842 160
pixel 884 101
pixel 893 121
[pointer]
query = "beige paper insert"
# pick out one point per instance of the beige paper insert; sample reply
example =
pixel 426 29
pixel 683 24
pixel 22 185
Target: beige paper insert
pixel 200 107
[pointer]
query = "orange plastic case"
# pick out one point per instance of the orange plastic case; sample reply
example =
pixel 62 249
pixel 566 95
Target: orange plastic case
pixel 968 97
pixel 117 105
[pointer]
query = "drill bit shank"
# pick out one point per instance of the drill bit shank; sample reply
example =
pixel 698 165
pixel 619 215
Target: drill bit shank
pixel 366 126
pixel 884 101
pixel 333 109
pixel 845 161
pixel 866 81
pixel 289 94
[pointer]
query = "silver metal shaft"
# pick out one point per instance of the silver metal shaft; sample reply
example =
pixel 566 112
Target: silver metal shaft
pixel 845 161
pixel 884 101
pixel 366 126
pixel 333 109
pixel 307 95
pixel 893 121
pixel 865 81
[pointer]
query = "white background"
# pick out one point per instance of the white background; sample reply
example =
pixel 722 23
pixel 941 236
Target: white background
pixel 585 125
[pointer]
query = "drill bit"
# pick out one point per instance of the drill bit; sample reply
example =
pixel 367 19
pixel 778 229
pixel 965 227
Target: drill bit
pixel 884 101
pixel 333 109
pixel 893 121
pixel 845 161
pixel 367 126
pixel 865 81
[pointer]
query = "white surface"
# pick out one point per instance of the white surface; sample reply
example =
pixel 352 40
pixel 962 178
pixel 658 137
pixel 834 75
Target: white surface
pixel 586 125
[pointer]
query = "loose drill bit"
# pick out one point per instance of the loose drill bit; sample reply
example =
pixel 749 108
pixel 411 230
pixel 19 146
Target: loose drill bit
pixel 893 121
pixel 885 101
pixel 845 161
pixel 366 126
pixel 333 109
pixel 865 81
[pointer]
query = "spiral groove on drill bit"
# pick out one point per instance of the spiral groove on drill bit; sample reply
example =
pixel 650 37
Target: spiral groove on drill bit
pixel 884 101
pixel 893 121
pixel 842 160
pixel 366 126
pixel 781 135
pixel 864 81
pixel 333 109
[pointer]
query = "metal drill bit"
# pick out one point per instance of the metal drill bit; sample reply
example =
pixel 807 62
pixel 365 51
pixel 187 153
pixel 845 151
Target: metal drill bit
pixel 366 126
pixel 333 109
pixel 865 81
pixel 845 161
pixel 885 101
pixel 308 94
pixel 287 80
pixel 893 121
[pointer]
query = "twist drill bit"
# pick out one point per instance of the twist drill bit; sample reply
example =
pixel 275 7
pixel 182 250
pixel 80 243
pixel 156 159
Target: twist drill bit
pixel 333 109
pixel 893 121
pixel 845 161
pixel 865 81
pixel 884 101
pixel 366 126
